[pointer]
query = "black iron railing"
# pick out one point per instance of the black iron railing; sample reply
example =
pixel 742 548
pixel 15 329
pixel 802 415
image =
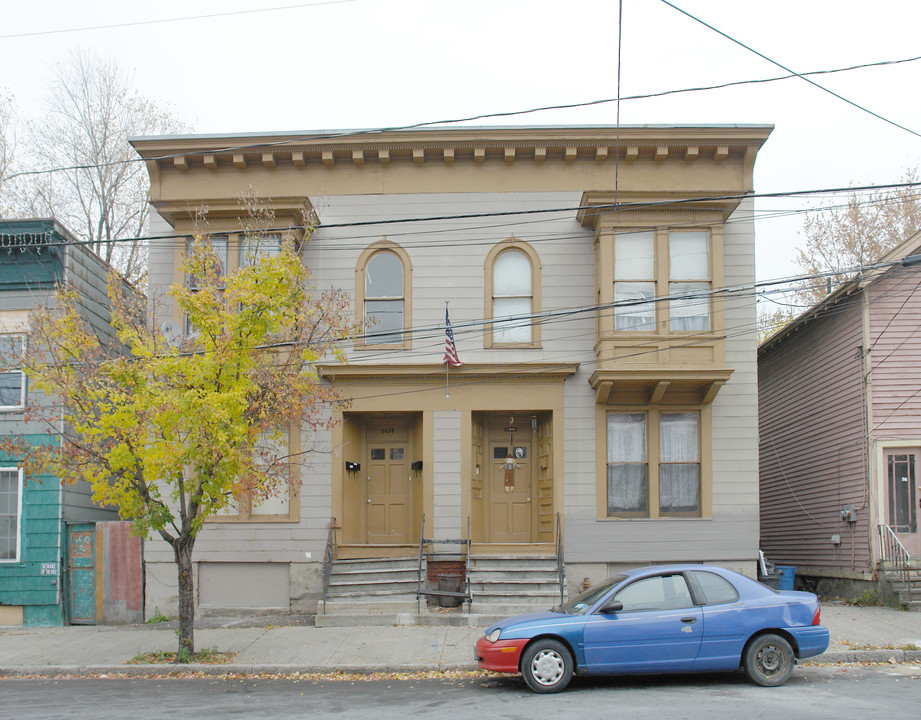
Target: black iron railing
pixel 329 556
pixel 465 543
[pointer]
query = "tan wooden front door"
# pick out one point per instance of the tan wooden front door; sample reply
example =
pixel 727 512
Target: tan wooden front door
pixel 389 494
pixel 510 509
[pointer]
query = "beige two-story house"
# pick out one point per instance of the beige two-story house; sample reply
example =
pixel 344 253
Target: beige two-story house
pixel 605 414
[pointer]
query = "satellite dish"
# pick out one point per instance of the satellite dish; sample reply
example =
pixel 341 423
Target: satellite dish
pixel 171 332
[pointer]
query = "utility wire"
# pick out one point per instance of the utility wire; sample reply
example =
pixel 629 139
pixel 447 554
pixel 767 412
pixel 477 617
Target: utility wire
pixel 802 76
pixel 608 207
pixel 174 20
pixel 470 118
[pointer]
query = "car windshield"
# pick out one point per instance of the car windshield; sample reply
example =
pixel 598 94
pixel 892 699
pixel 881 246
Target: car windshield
pixel 580 604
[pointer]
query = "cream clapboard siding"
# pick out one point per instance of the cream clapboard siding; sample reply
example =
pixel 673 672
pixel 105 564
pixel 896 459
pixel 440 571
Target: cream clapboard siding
pixel 730 537
pixel 448 264
pixel 447 488
pixel 812 443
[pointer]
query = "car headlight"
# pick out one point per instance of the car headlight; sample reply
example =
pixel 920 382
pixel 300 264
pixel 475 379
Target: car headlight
pixel 494 635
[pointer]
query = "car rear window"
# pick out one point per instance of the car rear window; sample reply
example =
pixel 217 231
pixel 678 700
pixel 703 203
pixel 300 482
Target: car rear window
pixel 716 589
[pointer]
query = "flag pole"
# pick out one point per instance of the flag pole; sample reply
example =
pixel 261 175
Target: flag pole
pixel 447 364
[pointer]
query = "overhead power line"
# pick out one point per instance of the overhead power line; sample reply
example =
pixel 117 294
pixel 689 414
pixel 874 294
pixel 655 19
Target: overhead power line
pixel 162 21
pixel 471 118
pixel 609 207
pixel 802 76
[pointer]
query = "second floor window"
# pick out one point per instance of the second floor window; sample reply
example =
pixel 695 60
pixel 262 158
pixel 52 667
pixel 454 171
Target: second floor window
pixel 689 281
pixel 384 299
pixel 635 281
pixel 12 379
pixel 512 298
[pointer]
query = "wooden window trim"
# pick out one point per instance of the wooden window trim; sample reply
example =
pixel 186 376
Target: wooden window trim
pixel 360 267
pixel 536 272
pixel 652 413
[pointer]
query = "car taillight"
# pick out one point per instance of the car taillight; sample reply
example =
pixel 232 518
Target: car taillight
pixel 817 618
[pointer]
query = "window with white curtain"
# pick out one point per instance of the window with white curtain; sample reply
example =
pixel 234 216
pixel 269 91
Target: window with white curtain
pixel 679 463
pixel 10 513
pixel 689 280
pixel 512 296
pixel 384 299
pixel 666 481
pixel 255 247
pixel 634 281
pixel 628 470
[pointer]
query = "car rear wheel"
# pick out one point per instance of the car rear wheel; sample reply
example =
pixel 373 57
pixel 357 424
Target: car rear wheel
pixel 546 666
pixel 768 660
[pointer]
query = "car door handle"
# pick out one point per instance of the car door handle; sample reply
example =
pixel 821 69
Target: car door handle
pixel 689 620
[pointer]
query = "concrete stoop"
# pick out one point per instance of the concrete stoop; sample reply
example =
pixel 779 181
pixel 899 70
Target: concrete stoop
pixel 382 591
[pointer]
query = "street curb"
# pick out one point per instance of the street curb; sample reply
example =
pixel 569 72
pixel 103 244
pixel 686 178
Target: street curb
pixel 229 669
pixel 829 658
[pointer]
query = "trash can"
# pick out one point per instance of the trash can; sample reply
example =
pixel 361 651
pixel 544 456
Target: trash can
pixel 787 573
pixel 449 583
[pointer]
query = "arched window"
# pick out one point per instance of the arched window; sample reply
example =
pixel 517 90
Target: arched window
pixel 383 288
pixel 513 292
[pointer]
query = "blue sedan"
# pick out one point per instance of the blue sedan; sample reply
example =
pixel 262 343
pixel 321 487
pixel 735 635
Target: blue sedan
pixel 679 618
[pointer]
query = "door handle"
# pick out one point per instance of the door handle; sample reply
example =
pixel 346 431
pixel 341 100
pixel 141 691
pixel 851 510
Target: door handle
pixel 689 620
pixel 369 501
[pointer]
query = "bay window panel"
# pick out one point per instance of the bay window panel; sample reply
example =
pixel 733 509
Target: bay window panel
pixel 634 306
pixel 514 331
pixel 679 466
pixel 627 488
pixel 634 256
pixel 689 255
pixel 626 437
pixel 689 307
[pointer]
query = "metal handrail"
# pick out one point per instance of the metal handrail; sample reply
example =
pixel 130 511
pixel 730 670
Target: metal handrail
pixel 560 567
pixel 444 541
pixel 894 553
pixel 329 556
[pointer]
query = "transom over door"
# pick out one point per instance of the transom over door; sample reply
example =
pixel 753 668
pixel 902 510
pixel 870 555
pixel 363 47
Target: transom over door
pixel 510 508
pixel 389 494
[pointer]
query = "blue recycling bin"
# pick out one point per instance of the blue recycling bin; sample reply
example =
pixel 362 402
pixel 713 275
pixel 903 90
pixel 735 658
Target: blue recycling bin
pixel 787 573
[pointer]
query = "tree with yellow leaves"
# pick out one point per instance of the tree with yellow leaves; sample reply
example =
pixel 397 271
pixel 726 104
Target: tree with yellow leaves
pixel 172 433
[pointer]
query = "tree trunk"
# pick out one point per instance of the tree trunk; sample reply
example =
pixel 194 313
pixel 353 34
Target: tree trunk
pixel 183 554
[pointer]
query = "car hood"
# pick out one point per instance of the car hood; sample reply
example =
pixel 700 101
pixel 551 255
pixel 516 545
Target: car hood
pixel 540 619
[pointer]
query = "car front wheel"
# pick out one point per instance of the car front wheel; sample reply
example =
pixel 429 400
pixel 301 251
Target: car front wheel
pixel 768 660
pixel 546 666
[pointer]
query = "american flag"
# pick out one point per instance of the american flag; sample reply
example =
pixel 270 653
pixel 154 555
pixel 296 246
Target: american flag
pixel 450 348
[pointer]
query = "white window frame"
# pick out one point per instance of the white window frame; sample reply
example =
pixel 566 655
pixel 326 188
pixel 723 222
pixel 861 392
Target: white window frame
pixel 17 558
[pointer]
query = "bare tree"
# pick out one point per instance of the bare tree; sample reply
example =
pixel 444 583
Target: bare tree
pixel 7 141
pixel 859 233
pixel 102 194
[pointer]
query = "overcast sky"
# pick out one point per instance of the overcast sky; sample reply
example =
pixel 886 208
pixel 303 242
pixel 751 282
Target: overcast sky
pixel 377 63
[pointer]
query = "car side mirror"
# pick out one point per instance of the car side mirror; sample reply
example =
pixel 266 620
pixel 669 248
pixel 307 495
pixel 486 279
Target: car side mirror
pixel 611 607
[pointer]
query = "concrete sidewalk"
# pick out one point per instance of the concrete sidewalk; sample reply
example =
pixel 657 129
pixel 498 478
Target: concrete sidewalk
pixel 874 634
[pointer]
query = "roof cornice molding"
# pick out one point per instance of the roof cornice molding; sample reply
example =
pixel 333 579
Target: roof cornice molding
pixel 474 145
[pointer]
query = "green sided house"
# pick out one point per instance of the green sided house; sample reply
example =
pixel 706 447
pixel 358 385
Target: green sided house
pixel 62 559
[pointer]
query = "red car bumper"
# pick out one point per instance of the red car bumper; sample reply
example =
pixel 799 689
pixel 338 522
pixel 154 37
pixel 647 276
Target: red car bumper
pixel 500 656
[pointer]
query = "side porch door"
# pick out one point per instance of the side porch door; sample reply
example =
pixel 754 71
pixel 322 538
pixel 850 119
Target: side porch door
pixel 81 574
pixel 902 484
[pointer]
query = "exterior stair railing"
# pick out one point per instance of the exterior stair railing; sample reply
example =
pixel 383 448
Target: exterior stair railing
pixel 894 556
pixel 560 566
pixel 465 543
pixel 329 556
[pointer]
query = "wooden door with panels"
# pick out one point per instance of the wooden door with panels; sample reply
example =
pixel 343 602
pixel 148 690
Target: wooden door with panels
pixel 389 485
pixel 510 483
